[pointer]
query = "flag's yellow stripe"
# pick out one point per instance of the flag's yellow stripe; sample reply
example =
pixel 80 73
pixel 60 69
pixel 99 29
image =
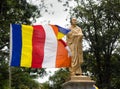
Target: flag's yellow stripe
pixel 96 87
pixel 26 55
pixel 60 35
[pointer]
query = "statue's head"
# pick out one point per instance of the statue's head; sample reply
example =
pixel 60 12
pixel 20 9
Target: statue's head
pixel 73 21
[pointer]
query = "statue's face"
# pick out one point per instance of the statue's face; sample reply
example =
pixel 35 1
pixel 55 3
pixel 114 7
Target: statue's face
pixel 74 21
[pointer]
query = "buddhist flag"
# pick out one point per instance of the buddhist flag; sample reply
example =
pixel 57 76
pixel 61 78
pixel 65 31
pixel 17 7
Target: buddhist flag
pixel 38 46
pixel 95 87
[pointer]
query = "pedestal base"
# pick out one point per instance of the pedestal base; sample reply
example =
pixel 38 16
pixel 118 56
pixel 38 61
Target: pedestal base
pixel 79 82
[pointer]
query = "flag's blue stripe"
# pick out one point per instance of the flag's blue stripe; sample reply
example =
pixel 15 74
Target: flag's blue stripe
pixel 93 88
pixel 63 30
pixel 16 45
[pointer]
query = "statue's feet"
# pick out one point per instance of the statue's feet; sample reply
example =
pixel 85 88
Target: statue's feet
pixel 78 74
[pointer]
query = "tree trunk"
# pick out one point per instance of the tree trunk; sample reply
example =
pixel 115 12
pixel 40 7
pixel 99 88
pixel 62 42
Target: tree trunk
pixel 107 71
pixel 98 70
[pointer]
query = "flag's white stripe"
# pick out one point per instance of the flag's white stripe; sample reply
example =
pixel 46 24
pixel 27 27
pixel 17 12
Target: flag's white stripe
pixel 10 45
pixel 50 49
pixel 69 52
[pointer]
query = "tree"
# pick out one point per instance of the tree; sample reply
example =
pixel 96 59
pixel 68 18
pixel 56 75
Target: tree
pixel 56 81
pixel 21 79
pixel 100 23
pixel 21 12
pixel 46 85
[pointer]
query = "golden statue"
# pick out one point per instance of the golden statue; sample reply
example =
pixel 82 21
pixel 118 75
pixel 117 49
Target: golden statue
pixel 74 41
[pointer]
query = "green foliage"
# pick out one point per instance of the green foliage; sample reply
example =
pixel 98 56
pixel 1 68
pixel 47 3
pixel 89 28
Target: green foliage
pixel 115 80
pixel 100 23
pixel 22 79
pixel 46 85
pixel 59 78
pixel 35 71
pixel 56 81
pixel 4 75
pixel 21 12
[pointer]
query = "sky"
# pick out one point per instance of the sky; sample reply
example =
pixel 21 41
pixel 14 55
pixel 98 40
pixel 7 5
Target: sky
pixel 59 17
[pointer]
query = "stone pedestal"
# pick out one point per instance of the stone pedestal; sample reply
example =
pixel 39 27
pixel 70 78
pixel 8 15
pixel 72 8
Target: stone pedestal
pixel 79 82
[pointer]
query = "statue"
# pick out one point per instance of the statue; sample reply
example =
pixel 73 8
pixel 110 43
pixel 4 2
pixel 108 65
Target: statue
pixel 74 41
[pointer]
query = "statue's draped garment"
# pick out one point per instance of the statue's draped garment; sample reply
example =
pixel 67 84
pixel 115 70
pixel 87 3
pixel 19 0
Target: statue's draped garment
pixel 74 41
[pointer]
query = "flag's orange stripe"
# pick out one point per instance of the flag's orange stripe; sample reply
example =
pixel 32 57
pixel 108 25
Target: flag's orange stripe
pixel 55 28
pixel 62 59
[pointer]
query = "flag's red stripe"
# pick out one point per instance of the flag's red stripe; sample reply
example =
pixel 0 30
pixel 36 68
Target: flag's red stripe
pixel 63 42
pixel 38 42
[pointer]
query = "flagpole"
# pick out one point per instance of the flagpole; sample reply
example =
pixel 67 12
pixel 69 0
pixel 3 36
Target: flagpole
pixel 10 47
pixel 10 77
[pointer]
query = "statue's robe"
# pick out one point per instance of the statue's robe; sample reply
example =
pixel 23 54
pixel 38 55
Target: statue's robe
pixel 74 41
